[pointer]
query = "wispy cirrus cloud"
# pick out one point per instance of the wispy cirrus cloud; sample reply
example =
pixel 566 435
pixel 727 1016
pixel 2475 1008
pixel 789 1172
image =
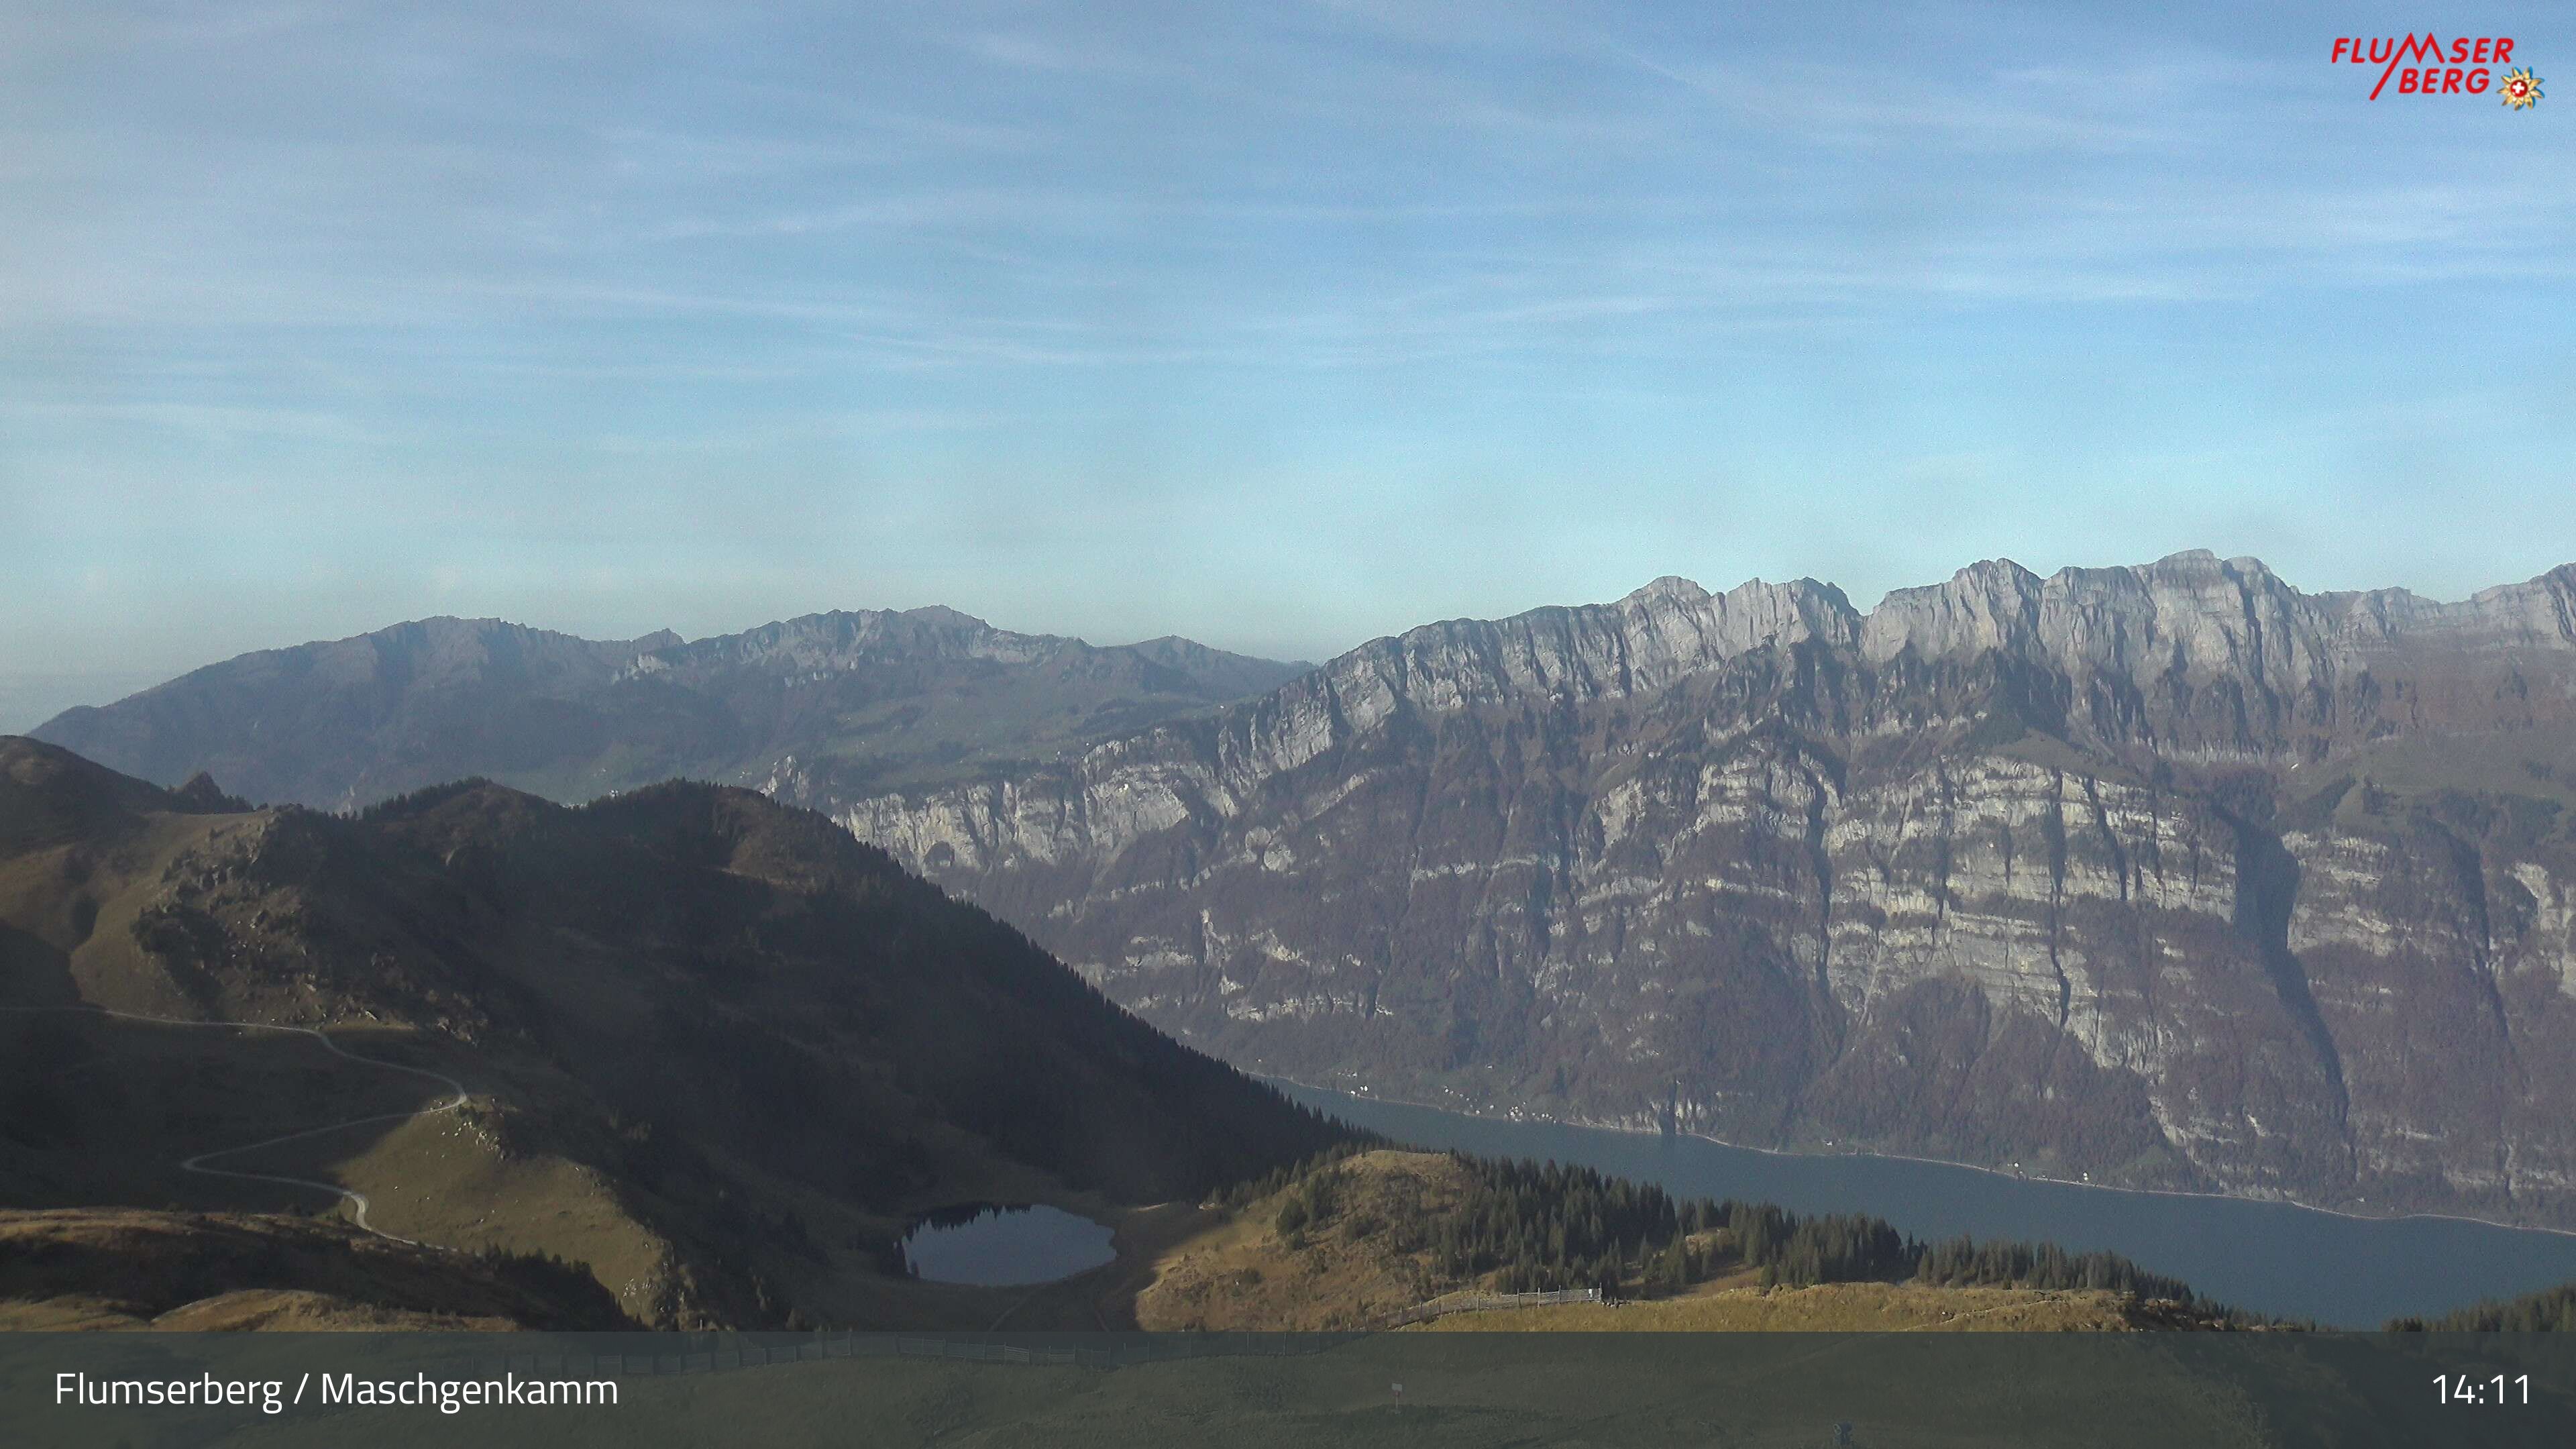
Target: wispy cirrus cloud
pixel 1324 269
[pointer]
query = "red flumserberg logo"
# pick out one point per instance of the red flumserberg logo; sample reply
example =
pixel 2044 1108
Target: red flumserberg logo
pixel 2424 65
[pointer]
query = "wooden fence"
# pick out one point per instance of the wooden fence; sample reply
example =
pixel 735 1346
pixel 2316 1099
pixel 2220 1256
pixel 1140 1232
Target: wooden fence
pixel 1481 1302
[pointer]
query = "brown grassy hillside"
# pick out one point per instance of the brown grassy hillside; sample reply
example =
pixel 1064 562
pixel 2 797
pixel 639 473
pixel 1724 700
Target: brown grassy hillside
pixel 87 1268
pixel 1355 1240
pixel 709 1046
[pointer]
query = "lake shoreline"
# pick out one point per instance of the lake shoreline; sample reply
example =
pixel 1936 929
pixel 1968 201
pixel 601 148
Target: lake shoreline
pixel 1996 1172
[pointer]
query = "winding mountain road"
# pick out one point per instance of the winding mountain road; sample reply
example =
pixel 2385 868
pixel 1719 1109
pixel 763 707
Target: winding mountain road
pixel 197 1164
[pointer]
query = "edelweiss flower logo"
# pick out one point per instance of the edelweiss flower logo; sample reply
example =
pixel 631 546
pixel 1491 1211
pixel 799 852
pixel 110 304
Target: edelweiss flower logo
pixel 2521 89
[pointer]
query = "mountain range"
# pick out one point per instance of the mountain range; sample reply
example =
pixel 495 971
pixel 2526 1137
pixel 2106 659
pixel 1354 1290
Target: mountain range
pixel 863 700
pixel 2170 876
pixel 691 1058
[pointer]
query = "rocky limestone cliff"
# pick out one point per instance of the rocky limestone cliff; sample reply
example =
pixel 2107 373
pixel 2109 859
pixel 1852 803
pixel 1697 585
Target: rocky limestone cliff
pixel 2171 876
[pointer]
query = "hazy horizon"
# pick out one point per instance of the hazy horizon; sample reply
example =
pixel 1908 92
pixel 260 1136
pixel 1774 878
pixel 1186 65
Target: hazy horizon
pixel 27 701
pixel 1279 329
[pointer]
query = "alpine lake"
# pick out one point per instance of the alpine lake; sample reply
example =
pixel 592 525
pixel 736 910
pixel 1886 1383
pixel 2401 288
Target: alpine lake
pixel 1001 1245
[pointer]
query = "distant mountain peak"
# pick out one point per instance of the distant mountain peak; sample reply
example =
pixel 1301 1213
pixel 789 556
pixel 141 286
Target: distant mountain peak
pixel 1671 587
pixel 943 615
pixel 849 693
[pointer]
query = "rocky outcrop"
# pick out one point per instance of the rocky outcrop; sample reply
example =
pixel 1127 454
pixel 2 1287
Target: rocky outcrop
pixel 2198 657
pixel 2169 875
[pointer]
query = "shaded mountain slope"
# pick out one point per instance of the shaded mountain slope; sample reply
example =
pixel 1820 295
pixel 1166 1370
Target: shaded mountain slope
pixel 85 1268
pixel 714 1048
pixel 2551 1310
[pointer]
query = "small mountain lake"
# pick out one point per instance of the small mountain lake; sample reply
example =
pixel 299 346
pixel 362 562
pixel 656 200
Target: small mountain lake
pixel 1001 1245
pixel 2269 1257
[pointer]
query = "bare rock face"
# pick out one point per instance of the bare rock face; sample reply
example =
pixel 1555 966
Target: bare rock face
pixel 2171 875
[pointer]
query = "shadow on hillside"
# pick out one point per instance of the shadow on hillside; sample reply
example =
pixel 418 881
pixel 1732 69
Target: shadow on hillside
pixel 95 1110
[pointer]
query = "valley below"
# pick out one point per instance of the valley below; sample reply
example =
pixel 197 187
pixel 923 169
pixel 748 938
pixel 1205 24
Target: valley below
pixel 2172 879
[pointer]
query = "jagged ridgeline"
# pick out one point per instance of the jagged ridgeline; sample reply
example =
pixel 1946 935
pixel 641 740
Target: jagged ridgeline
pixel 711 1047
pixel 2173 876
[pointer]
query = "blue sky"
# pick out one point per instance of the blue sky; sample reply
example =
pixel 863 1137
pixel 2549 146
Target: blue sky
pixel 1281 326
